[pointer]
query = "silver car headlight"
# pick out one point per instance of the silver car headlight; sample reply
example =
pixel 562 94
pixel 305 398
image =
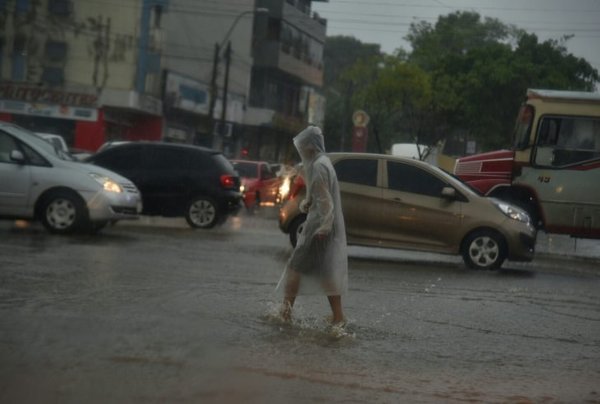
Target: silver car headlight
pixel 107 183
pixel 513 212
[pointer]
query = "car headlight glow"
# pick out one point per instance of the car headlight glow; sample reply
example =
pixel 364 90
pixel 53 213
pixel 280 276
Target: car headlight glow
pixel 513 212
pixel 107 183
pixel 284 189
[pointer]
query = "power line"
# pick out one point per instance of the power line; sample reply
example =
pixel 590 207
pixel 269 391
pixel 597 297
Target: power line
pixel 406 31
pixel 372 3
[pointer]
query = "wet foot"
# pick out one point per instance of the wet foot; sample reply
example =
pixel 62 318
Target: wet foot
pixel 339 322
pixel 286 314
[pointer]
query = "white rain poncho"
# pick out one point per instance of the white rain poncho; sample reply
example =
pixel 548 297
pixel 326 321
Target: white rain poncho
pixel 320 256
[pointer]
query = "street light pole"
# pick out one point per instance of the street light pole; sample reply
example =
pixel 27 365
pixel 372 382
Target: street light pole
pixel 215 68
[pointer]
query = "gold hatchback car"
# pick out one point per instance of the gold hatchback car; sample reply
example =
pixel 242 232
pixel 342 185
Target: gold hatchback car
pixel 397 202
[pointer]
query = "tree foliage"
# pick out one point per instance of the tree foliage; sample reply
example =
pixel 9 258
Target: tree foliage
pixel 464 75
pixel 342 53
pixel 480 71
pixel 396 94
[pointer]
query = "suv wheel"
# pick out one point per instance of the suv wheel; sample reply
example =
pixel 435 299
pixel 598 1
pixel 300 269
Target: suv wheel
pixel 202 213
pixel 296 228
pixel 484 249
pixel 63 212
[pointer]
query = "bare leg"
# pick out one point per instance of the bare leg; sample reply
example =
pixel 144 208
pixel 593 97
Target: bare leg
pixel 291 290
pixel 336 308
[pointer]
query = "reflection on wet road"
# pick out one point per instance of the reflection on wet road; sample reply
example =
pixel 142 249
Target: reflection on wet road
pixel 158 312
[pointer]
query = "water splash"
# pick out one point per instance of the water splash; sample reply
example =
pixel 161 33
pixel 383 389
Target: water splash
pixel 306 326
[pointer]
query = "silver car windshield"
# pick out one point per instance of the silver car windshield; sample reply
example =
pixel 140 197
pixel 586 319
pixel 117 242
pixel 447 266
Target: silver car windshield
pixel 32 139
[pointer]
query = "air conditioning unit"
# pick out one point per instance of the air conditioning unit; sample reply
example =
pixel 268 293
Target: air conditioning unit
pixel 225 130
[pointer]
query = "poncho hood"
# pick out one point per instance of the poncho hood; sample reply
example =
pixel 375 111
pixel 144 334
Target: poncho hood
pixel 310 144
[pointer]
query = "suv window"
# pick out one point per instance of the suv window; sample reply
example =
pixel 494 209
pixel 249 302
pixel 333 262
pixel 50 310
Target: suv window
pixel 357 171
pixel 166 158
pixel 120 158
pixel 567 140
pixel 199 161
pixel 407 178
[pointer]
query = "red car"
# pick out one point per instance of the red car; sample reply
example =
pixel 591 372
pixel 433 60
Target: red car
pixel 260 183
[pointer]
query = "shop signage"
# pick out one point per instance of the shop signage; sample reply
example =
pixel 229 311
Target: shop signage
pixel 49 110
pixel 150 104
pixel 186 94
pixel 35 95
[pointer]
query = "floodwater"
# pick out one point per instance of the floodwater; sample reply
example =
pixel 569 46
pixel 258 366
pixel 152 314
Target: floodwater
pixel 157 312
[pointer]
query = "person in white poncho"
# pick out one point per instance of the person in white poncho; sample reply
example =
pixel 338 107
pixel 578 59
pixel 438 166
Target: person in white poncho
pixel 319 263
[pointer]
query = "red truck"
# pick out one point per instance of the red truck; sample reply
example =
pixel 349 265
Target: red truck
pixel 260 183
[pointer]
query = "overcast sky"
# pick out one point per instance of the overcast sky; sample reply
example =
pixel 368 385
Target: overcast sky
pixel 386 22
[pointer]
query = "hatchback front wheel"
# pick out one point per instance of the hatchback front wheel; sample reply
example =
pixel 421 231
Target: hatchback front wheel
pixel 202 213
pixel 484 249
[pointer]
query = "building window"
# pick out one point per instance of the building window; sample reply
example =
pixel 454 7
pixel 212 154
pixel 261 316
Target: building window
pixel 273 29
pixel 19 44
pixel 53 76
pixel 56 51
pixel 156 16
pixel 60 7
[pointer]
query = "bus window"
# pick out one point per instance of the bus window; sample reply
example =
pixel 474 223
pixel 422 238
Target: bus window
pixel 564 141
pixel 523 127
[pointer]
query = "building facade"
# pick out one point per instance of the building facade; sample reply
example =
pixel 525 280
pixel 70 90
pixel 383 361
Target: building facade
pixel 242 77
pixel 263 91
pixel 82 69
pixel 287 76
pixel 196 64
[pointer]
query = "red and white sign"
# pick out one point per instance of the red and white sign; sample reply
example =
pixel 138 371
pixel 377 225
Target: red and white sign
pixel 360 133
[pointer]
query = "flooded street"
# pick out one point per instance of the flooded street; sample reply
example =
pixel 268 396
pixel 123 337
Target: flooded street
pixel 157 312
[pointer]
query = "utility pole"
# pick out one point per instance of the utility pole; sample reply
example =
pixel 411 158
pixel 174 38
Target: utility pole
pixel 213 93
pixel 213 79
pixel 225 89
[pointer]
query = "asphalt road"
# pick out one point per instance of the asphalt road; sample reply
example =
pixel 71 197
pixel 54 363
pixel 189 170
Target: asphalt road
pixel 154 311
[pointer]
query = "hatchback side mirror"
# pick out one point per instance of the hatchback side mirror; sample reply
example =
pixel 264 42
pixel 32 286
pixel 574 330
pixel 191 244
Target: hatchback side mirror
pixel 17 156
pixel 448 193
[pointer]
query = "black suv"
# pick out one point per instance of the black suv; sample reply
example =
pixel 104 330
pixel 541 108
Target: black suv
pixel 177 180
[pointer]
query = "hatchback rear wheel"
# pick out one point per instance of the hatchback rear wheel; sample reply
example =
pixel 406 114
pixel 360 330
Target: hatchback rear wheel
pixel 484 249
pixel 202 213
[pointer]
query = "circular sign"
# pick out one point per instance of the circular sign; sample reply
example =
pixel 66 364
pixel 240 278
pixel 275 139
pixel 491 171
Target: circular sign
pixel 360 118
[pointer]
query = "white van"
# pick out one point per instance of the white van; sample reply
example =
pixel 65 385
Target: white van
pixel 39 181
pixel 56 140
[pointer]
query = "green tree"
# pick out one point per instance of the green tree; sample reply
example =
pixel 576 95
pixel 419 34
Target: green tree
pixel 340 54
pixel 480 71
pixel 454 34
pixel 397 95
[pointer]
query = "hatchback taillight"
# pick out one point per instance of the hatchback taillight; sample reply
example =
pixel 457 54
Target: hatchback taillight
pixel 227 181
